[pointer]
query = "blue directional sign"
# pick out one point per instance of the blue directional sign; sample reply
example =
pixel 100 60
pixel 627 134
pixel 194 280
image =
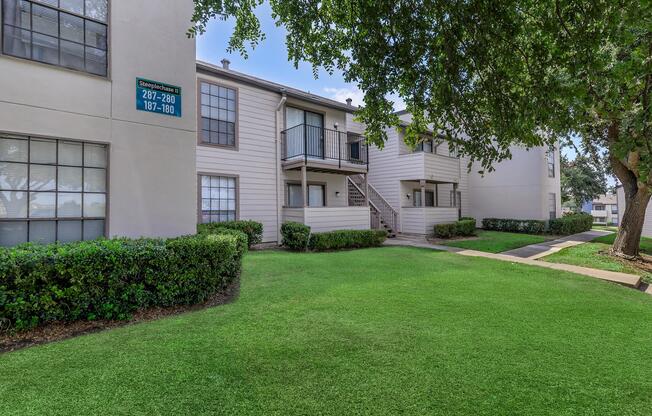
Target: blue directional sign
pixel 156 97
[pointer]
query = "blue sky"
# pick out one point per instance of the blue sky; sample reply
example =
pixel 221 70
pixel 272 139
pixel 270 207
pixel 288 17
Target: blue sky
pixel 269 60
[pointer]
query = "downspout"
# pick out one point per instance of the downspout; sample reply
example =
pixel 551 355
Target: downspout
pixel 279 107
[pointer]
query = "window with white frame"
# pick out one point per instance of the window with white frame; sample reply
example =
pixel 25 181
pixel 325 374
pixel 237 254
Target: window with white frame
pixel 416 198
pixel 51 190
pixel 218 115
pixel 550 158
pixel 67 33
pixel 218 198
pixel 316 195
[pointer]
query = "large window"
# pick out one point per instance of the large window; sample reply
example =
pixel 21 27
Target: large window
pixel 218 115
pixel 218 198
pixel 550 157
pixel 67 33
pixel 316 195
pixel 51 190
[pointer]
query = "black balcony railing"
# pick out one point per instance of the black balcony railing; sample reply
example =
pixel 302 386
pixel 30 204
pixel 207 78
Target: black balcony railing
pixel 313 142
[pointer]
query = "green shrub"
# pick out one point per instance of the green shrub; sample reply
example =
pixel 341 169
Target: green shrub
pixel 467 219
pixel 344 239
pixel 110 279
pixel 572 223
pixel 448 230
pixel 295 236
pixel 252 229
pixel 514 225
pixel 465 227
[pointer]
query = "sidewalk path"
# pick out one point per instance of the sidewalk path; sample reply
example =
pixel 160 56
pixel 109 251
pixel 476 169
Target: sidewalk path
pixel 536 251
pixel 625 279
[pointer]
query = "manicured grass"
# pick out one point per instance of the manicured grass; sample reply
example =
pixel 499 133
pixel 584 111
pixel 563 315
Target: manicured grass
pixel 596 255
pixel 605 228
pixel 496 241
pixel 380 331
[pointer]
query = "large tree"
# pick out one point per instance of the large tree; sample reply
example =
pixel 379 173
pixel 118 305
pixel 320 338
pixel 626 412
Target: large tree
pixel 581 180
pixel 488 74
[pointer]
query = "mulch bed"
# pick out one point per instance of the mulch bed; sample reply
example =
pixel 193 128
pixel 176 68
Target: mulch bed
pixel 58 331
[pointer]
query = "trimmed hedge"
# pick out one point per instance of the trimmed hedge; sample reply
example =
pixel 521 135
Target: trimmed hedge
pixel 447 230
pixel 111 279
pixel 252 229
pixel 464 227
pixel 514 226
pixel 296 236
pixel 571 224
pixel 346 239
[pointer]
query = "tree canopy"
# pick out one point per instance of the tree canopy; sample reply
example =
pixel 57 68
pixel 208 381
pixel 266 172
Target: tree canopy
pixel 581 180
pixel 486 74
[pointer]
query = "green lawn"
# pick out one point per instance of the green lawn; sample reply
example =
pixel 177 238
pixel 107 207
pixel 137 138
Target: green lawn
pixel 595 255
pixel 605 228
pixel 497 241
pixel 380 331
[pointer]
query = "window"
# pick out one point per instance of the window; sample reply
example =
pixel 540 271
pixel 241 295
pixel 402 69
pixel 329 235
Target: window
pixel 67 33
pixel 426 146
pixel 430 198
pixel 51 190
pixel 550 157
pixel 218 198
pixel 552 205
pixel 218 115
pixel 598 207
pixel 316 195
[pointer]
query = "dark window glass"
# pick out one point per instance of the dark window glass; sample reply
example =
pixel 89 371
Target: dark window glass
pixel 218 114
pixel 55 32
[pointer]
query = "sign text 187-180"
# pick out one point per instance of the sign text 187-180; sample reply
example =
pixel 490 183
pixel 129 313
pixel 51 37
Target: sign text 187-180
pixel 157 97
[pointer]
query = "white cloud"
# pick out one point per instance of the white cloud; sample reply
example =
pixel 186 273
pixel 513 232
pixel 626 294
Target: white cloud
pixel 354 93
pixel 341 95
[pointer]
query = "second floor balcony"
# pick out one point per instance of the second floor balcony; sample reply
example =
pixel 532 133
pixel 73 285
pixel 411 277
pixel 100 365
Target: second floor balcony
pixel 324 149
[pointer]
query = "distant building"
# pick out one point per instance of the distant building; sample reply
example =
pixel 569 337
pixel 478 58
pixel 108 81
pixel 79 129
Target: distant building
pixel 604 209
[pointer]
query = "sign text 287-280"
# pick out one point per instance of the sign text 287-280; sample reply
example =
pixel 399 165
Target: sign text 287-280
pixel 157 97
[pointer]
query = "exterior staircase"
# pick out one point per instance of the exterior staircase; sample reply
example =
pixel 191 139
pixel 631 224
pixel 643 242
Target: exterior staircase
pixel 383 216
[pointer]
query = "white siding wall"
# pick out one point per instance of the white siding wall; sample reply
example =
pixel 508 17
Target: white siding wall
pixel 422 220
pixel 293 215
pixel 255 161
pixel 518 188
pixel 344 218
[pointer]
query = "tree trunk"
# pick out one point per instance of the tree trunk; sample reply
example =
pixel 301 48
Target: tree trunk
pixel 631 224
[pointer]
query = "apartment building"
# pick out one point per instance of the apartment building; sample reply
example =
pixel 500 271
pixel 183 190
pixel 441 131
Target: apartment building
pixel 430 184
pixel 603 209
pixel 272 153
pixel 98 120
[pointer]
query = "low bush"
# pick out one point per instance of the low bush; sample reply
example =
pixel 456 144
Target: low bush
pixel 296 236
pixel 514 225
pixel 345 239
pixel 465 227
pixel 111 279
pixel 252 229
pixel 448 230
pixel 572 223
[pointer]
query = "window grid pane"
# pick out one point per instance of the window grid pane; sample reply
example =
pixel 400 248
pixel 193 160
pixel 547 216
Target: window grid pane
pixel 218 199
pixel 55 33
pixel 218 111
pixel 53 186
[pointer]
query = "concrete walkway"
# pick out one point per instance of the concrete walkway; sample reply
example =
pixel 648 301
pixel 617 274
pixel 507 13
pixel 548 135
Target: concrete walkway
pixel 536 251
pixel 625 279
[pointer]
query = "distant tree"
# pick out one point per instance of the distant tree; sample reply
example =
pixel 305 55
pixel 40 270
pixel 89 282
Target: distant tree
pixel 487 74
pixel 581 181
